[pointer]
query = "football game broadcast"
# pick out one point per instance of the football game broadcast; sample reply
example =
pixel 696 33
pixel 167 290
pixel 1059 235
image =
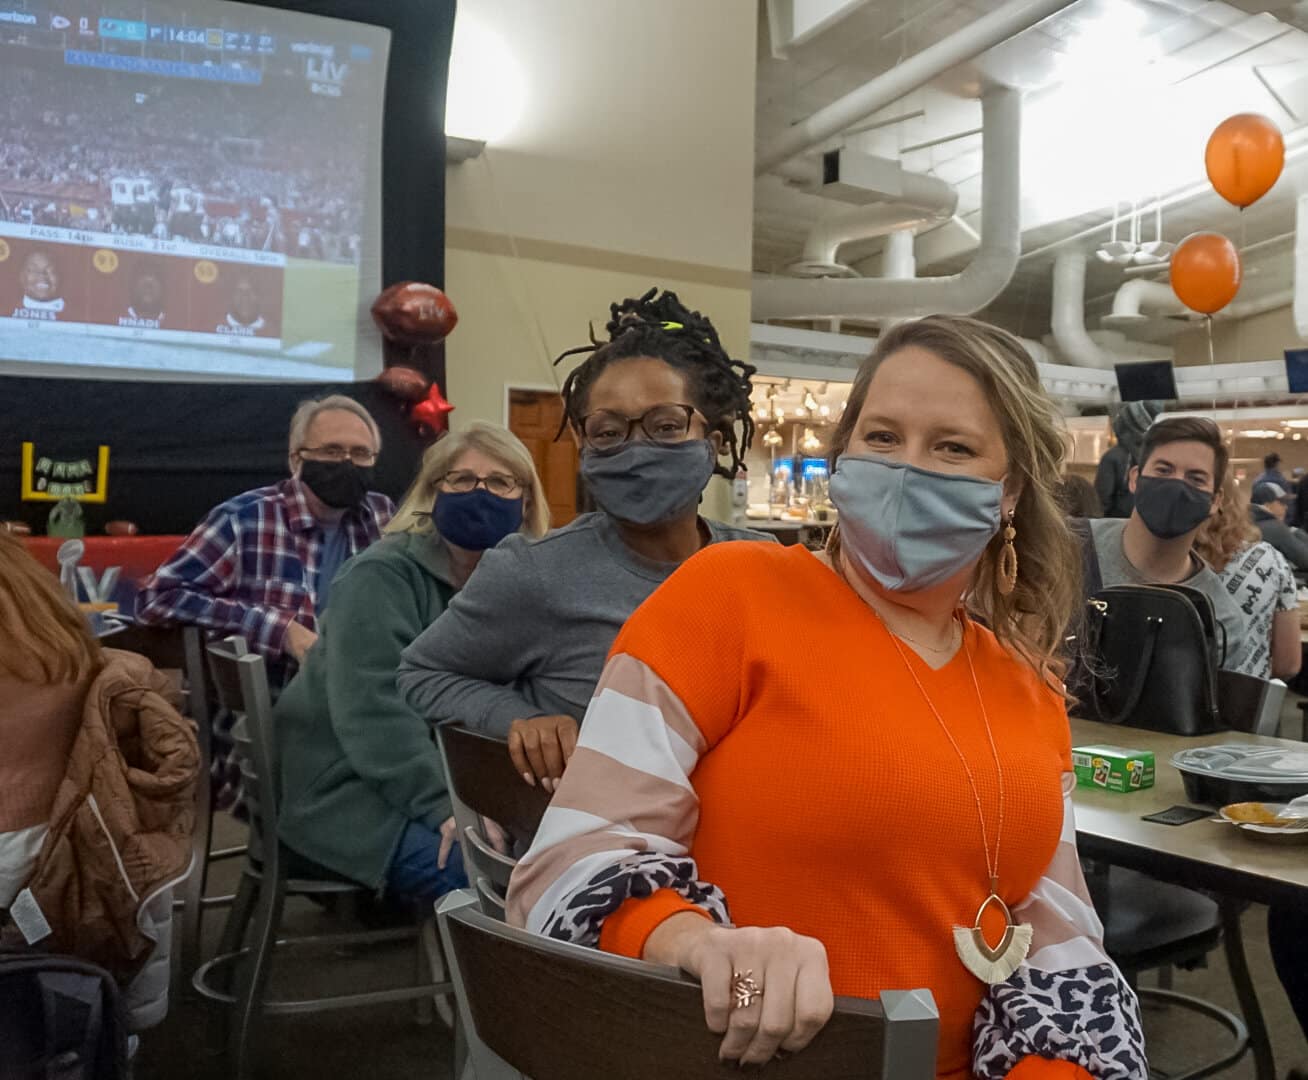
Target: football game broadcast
pixel 188 189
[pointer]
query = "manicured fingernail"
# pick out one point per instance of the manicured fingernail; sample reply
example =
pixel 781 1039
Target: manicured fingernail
pixel 529 778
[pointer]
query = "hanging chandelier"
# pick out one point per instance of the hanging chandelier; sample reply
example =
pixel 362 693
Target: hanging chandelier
pixel 1130 249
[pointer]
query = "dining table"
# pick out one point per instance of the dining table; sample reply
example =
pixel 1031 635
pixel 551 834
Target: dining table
pixel 1207 854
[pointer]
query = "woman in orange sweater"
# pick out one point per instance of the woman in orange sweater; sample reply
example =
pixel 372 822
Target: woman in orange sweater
pixel 887 807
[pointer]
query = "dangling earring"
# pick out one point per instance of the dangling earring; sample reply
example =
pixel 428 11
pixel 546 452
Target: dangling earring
pixel 1007 579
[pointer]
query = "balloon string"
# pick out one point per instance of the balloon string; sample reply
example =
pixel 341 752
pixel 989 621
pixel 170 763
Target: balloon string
pixel 1212 360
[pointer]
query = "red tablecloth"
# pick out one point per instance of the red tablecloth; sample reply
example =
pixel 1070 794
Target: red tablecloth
pixel 139 556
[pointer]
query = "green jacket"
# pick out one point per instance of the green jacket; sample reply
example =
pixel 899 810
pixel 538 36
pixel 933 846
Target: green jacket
pixel 356 763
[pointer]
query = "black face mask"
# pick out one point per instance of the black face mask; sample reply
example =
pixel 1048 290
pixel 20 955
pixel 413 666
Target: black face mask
pixel 1170 508
pixel 340 484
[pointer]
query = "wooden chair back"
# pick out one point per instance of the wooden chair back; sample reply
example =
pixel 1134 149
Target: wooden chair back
pixel 555 1011
pixel 483 779
pixel 483 782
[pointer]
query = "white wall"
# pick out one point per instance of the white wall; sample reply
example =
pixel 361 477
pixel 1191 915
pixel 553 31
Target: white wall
pixel 630 165
pixel 1260 337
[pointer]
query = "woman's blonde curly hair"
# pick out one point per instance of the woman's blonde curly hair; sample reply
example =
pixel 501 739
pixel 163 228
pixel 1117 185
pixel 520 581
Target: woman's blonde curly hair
pixel 1229 531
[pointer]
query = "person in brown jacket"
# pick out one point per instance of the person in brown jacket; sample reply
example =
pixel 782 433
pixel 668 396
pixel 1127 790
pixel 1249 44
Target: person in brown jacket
pixel 97 789
pixel 47 661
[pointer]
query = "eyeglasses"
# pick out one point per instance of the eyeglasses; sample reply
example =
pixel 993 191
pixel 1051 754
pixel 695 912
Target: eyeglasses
pixel 358 455
pixel 501 484
pixel 664 424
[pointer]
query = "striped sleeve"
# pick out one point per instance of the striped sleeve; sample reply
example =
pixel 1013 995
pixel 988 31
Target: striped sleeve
pixel 1067 1011
pixel 611 859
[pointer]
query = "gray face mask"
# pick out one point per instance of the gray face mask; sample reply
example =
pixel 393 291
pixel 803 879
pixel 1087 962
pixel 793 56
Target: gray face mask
pixel 646 484
pixel 909 529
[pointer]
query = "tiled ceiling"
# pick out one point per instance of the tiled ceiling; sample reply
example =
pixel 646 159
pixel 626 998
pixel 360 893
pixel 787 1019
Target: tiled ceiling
pixel 1241 43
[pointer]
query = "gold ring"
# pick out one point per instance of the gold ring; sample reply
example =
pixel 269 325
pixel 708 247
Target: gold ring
pixel 744 990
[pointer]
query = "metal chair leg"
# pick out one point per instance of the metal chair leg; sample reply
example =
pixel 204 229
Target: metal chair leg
pixel 252 977
pixel 238 918
pixel 193 889
pixel 1233 941
pixel 436 969
pixel 424 1010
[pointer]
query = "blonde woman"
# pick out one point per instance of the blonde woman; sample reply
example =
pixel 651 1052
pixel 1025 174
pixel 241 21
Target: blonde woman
pixel 364 793
pixel 787 824
pixel 1260 580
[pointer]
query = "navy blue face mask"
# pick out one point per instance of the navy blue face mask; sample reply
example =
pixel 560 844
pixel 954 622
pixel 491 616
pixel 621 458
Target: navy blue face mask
pixel 476 520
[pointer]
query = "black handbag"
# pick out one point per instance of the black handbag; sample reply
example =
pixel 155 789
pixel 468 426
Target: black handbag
pixel 1146 656
pixel 1149 660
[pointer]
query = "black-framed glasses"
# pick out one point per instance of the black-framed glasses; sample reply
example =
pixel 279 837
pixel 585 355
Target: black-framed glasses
pixel 461 481
pixel 358 455
pixel 666 424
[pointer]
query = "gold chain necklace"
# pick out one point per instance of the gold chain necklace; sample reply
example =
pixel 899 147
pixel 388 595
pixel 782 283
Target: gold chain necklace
pixel 840 573
pixel 990 965
pixel 921 644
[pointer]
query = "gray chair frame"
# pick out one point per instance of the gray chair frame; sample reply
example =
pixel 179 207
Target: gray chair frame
pixel 241 685
pixel 904 1023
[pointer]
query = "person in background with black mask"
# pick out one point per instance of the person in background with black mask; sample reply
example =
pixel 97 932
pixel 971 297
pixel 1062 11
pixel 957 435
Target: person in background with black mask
pixel 261 564
pixel 519 650
pixel 1176 488
pixel 363 790
pixel 1130 422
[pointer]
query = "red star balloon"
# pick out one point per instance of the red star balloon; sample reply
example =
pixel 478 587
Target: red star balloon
pixel 431 411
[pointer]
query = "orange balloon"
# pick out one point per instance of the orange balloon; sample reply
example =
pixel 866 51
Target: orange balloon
pixel 1206 272
pixel 1244 157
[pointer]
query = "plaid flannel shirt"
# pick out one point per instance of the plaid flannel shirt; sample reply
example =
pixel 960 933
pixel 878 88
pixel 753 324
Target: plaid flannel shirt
pixel 251 568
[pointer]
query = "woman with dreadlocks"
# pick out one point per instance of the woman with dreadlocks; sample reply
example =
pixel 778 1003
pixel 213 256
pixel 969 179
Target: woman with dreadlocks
pixel 657 409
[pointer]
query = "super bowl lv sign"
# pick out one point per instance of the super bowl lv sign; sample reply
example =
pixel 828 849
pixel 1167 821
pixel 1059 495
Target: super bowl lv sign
pixel 50 478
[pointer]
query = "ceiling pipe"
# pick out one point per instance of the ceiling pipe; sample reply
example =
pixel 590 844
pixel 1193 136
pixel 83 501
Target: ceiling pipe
pixel 997 26
pixel 975 286
pixel 1075 344
pixel 1133 296
pixel 898 185
pixel 1246 309
pixel 821 256
pixel 1068 314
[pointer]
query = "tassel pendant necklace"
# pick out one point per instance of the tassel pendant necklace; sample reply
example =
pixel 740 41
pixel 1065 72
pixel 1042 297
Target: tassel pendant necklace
pixel 989 964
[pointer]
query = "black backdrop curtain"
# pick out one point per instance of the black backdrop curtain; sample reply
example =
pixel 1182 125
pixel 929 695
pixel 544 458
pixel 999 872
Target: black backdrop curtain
pixel 178 449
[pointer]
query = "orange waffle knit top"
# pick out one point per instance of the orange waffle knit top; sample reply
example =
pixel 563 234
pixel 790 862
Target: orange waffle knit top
pixel 823 793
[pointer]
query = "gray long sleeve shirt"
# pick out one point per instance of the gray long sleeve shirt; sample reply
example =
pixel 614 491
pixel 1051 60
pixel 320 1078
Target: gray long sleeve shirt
pixel 529 634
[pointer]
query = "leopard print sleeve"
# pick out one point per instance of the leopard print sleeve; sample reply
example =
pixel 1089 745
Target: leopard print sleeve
pixel 1068 1001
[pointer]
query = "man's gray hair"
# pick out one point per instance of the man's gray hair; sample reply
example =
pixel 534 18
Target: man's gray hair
pixel 308 412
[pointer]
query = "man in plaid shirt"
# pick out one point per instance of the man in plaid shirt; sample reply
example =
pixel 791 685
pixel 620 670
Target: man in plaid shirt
pixel 260 565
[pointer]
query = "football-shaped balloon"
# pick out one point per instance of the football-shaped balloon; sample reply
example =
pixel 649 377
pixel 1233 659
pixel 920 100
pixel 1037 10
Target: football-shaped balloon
pixel 405 383
pixel 412 313
pixel 121 528
pixel 18 528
